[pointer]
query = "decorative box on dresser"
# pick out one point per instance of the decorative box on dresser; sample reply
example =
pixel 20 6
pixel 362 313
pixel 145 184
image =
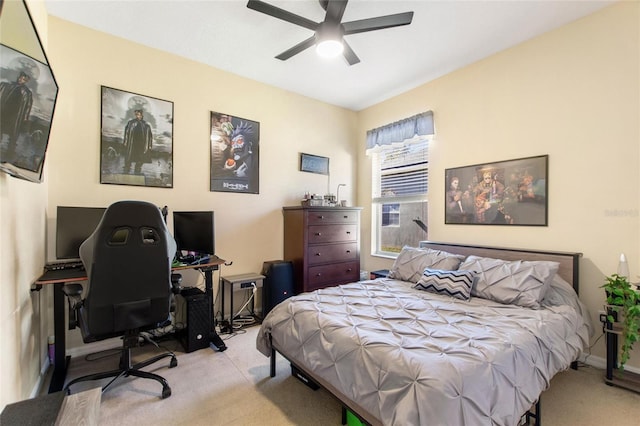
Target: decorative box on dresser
pixel 323 243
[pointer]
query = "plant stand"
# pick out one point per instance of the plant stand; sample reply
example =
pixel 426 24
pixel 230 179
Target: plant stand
pixel 614 377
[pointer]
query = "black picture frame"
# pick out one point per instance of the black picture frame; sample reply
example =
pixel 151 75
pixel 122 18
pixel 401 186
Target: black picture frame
pixel 512 192
pixel 235 154
pixel 124 159
pixel 28 81
pixel 314 164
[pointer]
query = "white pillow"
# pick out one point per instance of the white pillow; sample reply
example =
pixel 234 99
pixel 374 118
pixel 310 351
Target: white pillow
pixel 412 261
pixel 522 283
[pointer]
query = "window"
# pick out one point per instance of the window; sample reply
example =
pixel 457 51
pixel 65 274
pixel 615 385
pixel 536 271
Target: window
pixel 391 214
pixel 400 187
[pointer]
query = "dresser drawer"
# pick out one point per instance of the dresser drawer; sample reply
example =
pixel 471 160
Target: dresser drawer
pixel 332 253
pixel 333 274
pixel 320 217
pixel 319 234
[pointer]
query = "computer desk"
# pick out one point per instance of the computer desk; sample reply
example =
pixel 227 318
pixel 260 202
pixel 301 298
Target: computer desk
pixel 61 277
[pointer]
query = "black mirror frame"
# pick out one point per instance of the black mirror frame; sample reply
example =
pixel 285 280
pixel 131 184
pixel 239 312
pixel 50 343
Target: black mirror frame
pixel 23 143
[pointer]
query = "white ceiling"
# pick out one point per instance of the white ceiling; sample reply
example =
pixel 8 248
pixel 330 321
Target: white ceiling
pixel 445 35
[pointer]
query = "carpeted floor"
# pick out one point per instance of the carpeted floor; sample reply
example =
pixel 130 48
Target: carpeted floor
pixel 234 388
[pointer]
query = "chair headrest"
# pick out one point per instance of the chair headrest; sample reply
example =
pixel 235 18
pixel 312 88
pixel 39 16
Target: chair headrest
pixel 132 213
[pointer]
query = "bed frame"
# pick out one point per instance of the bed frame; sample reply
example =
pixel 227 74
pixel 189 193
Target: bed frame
pixel 568 270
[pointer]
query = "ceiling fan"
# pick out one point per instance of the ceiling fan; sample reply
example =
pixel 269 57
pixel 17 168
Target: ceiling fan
pixel 332 29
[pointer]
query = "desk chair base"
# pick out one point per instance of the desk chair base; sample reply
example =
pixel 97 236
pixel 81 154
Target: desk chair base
pixel 130 341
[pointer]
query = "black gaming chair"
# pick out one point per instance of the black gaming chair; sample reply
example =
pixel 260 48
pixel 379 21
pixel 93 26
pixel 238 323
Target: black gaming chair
pixel 128 262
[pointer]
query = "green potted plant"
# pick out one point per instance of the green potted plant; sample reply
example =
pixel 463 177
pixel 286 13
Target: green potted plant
pixel 623 299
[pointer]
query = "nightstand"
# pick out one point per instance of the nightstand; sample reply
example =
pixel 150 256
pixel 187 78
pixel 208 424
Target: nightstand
pixel 380 273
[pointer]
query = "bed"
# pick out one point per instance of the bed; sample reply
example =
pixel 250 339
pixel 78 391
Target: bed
pixel 456 335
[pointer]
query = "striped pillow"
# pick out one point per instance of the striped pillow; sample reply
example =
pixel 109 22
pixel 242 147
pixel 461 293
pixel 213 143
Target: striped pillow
pixel 452 283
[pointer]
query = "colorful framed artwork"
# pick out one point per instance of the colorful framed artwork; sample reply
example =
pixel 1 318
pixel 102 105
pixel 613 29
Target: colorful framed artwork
pixel 235 154
pixel 28 93
pixel 314 164
pixel 512 192
pixel 136 136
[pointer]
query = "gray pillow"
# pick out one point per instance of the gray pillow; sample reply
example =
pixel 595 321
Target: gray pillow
pixel 452 283
pixel 412 261
pixel 522 283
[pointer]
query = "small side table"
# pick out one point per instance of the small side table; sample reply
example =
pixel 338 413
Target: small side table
pixel 239 282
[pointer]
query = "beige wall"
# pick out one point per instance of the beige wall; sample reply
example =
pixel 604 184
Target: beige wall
pixel 248 226
pixel 573 94
pixel 23 314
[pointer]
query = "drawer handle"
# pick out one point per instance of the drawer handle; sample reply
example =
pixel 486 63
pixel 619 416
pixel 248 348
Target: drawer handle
pixel 348 232
pixel 318 254
pixel 318 234
pixel 349 269
pixel 346 217
pixel 348 251
pixel 320 217
pixel 318 274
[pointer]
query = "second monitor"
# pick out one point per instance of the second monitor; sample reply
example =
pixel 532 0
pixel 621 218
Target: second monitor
pixel 194 233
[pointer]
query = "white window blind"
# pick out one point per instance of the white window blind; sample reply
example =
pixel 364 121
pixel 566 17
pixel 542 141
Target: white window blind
pixel 401 172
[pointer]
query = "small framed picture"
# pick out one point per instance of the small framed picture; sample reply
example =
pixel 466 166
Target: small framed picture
pixel 512 192
pixel 314 164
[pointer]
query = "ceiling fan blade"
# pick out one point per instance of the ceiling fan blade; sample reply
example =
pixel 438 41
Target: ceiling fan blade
pixel 335 10
pixel 349 54
pixel 297 48
pixel 379 23
pixel 276 12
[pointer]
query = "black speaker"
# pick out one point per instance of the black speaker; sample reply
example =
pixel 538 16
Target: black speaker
pixel 278 283
pixel 195 312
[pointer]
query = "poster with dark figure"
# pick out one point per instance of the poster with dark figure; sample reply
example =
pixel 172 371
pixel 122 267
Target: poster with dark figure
pixel 235 165
pixel 512 192
pixel 136 139
pixel 28 93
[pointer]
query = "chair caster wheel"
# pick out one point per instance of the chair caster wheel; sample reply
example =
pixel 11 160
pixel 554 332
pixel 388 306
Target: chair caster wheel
pixel 174 362
pixel 166 392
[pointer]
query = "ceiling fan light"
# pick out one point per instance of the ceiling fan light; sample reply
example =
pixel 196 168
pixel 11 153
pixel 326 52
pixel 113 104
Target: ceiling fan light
pixel 329 48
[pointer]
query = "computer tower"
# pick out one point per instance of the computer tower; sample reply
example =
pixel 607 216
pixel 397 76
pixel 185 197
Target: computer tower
pixel 193 307
pixel 278 283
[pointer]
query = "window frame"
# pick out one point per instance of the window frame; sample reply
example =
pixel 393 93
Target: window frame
pixel 378 201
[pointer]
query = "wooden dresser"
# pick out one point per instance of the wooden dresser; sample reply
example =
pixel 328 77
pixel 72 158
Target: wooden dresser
pixel 323 243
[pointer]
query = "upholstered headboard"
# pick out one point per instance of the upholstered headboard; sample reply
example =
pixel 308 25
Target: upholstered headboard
pixel 569 261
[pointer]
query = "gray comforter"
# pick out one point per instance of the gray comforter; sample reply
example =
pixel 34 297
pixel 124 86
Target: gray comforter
pixel 409 357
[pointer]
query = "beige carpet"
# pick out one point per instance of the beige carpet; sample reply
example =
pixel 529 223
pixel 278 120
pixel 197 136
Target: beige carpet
pixel 234 388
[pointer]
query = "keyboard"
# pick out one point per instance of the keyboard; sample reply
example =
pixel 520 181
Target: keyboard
pixel 64 265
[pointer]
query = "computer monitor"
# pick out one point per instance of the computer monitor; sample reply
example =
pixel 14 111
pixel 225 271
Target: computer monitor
pixel 73 226
pixel 194 232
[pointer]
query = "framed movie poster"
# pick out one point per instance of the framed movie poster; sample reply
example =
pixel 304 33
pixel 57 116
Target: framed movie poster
pixel 28 92
pixel 235 149
pixel 136 137
pixel 512 192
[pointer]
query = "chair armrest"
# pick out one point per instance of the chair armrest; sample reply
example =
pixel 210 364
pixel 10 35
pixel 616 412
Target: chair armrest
pixel 74 298
pixel 73 292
